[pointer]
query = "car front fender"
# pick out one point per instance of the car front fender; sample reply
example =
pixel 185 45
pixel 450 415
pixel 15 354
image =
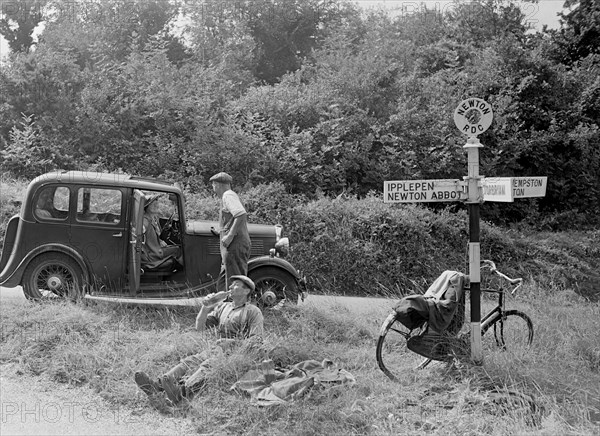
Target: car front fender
pixel 14 276
pixel 261 261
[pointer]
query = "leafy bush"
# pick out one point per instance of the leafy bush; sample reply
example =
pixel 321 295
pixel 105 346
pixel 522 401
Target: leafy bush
pixel 351 246
pixel 11 198
pixel 271 203
pixel 26 154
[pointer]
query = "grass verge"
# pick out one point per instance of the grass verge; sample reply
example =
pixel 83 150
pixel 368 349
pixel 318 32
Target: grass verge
pixel 552 388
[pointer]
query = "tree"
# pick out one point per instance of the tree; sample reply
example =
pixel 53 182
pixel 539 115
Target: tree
pixel 19 20
pixel 278 34
pixel 286 31
pixel 579 35
pixel 42 83
pixel 25 155
pixel 480 21
pixel 109 30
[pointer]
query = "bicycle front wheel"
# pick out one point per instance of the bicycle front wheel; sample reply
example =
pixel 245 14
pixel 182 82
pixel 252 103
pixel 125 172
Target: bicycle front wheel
pixel 513 331
pixel 391 347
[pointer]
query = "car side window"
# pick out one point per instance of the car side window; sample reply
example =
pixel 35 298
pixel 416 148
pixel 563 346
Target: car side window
pixel 52 203
pixel 99 205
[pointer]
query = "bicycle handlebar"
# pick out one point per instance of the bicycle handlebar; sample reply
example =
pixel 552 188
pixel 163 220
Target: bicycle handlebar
pixel 492 266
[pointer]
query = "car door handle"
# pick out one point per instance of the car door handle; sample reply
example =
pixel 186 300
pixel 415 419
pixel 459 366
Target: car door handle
pixel 117 235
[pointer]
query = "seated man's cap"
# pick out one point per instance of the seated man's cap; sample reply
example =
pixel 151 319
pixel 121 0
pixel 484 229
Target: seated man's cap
pixel 247 281
pixel 222 178
pixel 151 200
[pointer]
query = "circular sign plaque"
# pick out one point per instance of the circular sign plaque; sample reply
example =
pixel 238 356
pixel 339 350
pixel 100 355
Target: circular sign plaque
pixel 473 116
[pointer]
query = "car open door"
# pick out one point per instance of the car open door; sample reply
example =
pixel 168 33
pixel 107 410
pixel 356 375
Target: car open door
pixel 136 235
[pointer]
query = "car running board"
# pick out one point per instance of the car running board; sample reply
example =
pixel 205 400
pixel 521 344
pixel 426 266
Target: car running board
pixel 194 301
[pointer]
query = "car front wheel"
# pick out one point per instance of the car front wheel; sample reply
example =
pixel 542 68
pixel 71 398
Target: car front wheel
pixel 273 285
pixel 52 275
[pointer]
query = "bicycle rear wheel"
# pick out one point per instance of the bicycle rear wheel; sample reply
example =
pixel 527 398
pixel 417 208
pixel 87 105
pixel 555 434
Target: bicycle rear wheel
pixel 513 331
pixel 391 347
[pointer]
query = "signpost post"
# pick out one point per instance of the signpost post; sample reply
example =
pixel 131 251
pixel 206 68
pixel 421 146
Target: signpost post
pixel 472 117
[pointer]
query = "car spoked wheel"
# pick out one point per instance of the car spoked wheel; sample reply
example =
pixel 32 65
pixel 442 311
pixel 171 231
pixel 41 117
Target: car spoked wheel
pixel 274 285
pixel 52 275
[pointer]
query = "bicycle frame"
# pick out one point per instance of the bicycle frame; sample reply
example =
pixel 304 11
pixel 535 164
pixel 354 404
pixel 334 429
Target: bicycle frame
pixel 493 315
pixel 496 312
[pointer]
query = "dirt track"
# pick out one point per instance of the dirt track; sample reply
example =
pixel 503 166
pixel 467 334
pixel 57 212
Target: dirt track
pixel 35 406
pixel 32 405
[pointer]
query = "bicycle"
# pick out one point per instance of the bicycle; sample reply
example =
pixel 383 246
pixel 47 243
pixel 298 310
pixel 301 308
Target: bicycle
pixel 511 329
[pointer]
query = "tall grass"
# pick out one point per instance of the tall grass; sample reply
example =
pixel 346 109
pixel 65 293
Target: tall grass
pixel 553 388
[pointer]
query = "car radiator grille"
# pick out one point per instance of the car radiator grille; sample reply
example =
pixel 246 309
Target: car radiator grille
pixel 257 248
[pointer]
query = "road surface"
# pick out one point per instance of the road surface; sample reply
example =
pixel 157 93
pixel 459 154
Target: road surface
pixel 358 305
pixel 36 406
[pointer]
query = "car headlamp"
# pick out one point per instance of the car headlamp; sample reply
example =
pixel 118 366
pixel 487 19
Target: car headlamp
pixel 282 246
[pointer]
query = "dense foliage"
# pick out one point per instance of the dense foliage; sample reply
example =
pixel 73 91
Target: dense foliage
pixel 363 247
pixel 320 96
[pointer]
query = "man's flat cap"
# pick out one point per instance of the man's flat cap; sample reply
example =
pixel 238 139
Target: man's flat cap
pixel 151 200
pixel 246 280
pixel 222 178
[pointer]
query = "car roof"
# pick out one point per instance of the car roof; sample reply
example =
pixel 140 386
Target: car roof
pixel 104 179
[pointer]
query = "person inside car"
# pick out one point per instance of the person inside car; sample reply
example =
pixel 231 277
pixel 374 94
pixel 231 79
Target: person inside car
pixel 235 322
pixel 156 253
pixel 45 205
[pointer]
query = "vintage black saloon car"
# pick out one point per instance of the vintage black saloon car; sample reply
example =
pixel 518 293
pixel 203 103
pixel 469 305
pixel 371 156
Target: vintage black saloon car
pixel 83 233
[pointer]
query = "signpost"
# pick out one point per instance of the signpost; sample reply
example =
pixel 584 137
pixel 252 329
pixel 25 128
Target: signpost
pixel 529 186
pixel 497 189
pixel 472 117
pixel 419 191
pixel 508 188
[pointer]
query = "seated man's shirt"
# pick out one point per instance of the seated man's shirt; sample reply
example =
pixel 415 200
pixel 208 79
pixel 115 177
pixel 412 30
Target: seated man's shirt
pixel 240 322
pixel 152 252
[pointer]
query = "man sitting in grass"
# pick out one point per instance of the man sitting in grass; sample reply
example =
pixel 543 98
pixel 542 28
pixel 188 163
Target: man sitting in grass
pixel 234 321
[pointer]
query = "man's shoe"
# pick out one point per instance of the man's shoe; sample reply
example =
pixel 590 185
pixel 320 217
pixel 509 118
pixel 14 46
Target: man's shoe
pixel 146 384
pixel 172 388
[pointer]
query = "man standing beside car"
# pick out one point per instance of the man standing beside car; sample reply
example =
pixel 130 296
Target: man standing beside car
pixel 233 225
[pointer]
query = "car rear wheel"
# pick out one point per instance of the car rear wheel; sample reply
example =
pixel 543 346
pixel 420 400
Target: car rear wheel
pixel 273 285
pixel 52 275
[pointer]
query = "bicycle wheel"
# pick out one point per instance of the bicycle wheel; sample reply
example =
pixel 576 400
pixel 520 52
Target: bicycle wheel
pixel 391 346
pixel 513 331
